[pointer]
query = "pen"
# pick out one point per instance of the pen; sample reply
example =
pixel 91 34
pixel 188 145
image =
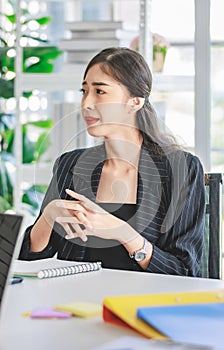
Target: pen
pixel 15 280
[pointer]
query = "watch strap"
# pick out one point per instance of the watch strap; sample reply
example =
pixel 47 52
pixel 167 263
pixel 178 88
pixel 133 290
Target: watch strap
pixel 144 249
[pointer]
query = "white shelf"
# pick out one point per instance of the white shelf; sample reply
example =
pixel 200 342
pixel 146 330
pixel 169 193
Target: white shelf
pixel 71 79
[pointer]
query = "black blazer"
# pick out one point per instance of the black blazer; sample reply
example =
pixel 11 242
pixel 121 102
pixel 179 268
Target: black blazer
pixel 170 208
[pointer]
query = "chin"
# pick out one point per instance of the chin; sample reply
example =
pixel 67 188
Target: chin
pixel 96 131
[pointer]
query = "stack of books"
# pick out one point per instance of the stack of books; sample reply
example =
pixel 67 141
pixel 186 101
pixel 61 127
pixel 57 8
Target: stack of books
pixel 88 38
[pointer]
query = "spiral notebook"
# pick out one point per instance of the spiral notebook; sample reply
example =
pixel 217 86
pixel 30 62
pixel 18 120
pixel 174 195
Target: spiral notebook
pixel 48 268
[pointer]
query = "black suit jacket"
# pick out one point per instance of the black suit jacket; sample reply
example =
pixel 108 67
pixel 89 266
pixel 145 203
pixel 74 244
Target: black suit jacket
pixel 170 208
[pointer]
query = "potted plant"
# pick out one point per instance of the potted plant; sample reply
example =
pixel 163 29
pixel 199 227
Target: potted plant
pixel 160 47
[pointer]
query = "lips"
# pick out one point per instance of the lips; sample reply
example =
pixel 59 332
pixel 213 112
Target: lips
pixel 91 120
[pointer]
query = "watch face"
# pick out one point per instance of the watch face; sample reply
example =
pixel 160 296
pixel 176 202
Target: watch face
pixel 139 256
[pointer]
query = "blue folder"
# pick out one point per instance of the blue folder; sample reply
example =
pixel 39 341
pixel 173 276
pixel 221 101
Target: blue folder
pixel 199 324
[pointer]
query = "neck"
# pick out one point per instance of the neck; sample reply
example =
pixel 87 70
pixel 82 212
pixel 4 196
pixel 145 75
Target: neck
pixel 123 151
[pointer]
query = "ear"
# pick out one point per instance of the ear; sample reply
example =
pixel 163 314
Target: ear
pixel 136 103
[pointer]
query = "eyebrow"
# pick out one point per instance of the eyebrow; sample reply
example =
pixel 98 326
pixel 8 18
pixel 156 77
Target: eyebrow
pixel 100 83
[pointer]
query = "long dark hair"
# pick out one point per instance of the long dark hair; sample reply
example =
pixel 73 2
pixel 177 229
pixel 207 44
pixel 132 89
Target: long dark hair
pixel 130 69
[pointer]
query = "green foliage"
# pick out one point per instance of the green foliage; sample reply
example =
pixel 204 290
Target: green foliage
pixel 32 152
pixel 33 196
pixel 6 182
pixel 157 48
pixel 36 59
pixel 6 88
pixel 41 21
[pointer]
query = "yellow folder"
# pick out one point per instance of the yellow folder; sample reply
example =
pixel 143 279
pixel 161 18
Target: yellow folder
pixel 122 310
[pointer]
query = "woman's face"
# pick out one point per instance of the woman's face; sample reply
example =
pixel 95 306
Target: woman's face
pixel 105 104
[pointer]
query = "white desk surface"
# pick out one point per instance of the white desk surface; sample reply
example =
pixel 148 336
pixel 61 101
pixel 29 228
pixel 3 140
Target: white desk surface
pixel 22 333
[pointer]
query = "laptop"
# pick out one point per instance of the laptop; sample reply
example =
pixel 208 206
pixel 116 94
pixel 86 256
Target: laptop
pixel 10 225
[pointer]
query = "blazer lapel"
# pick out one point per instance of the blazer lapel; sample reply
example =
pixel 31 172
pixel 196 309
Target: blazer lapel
pixel 87 170
pixel 150 177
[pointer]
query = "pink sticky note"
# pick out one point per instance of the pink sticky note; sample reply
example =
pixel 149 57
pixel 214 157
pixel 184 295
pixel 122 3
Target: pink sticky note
pixel 48 312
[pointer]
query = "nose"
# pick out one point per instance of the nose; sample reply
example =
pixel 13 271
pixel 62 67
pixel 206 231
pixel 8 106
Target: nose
pixel 88 101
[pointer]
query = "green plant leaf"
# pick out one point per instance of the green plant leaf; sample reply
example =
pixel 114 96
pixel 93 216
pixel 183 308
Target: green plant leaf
pixel 32 150
pixel 45 56
pixel 33 196
pixel 7 122
pixel 3 51
pixel 42 145
pixel 43 66
pixel 28 151
pixel 35 38
pixel 42 20
pixel 8 63
pixel 6 88
pixel 3 41
pixel 28 146
pixel 27 94
pixel 157 48
pixel 8 141
pixel 4 205
pixel 42 52
pixel 44 124
pixel 11 18
pixel 6 184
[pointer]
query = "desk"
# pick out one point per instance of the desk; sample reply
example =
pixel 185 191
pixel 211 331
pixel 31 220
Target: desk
pixel 22 333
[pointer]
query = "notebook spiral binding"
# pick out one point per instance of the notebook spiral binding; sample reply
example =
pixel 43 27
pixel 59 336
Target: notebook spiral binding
pixel 69 270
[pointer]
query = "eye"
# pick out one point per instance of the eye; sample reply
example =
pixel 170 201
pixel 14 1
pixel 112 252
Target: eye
pixel 100 92
pixel 83 91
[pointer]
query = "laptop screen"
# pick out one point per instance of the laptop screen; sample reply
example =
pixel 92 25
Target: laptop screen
pixel 9 231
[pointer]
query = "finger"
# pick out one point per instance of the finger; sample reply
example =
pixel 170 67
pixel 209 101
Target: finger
pixel 79 232
pixel 82 219
pixel 69 233
pixel 86 203
pixel 74 235
pixel 70 205
pixel 66 219
pixel 79 218
pixel 74 194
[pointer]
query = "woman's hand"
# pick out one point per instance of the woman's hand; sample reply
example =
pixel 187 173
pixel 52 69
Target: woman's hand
pixel 95 220
pixel 69 214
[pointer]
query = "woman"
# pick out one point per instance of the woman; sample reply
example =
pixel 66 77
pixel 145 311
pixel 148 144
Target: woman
pixel 137 201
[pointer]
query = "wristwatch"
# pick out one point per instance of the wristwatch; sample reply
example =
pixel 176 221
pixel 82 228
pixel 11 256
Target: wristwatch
pixel 140 255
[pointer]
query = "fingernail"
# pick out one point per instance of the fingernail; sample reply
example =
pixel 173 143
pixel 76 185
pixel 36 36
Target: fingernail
pixel 70 236
pixel 59 204
pixel 84 238
pixel 89 227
